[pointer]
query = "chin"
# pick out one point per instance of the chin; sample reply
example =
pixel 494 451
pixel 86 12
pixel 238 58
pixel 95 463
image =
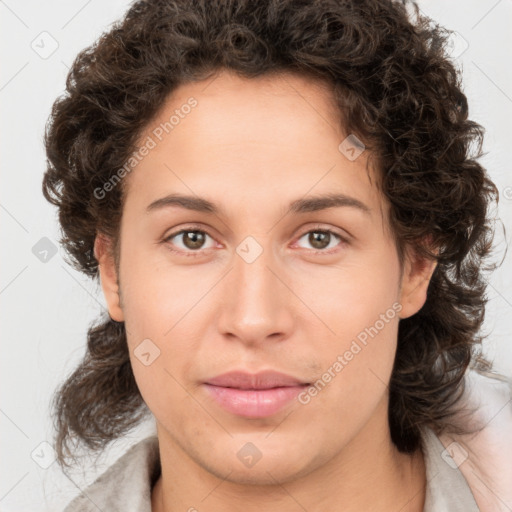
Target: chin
pixel 275 467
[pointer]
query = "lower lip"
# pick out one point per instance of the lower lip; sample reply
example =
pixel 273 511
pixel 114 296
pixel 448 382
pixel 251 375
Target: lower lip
pixel 252 403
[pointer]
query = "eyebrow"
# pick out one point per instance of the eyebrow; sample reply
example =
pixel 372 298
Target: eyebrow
pixel 311 204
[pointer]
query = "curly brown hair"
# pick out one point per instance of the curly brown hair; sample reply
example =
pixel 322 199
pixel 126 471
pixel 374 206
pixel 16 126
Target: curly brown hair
pixel 396 89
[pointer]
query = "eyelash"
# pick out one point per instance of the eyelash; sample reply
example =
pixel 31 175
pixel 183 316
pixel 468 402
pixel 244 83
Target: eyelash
pixel 197 253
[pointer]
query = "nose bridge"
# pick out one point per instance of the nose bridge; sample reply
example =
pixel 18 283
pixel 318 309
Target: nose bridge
pixel 255 305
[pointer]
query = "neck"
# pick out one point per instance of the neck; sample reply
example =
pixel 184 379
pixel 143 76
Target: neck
pixel 368 474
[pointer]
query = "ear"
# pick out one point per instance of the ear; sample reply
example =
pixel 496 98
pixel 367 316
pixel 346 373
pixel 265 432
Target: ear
pixel 104 254
pixel 416 277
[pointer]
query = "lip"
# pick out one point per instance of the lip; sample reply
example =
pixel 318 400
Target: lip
pixel 262 380
pixel 254 395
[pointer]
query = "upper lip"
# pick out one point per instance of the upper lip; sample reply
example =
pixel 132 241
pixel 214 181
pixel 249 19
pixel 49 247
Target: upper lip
pixel 262 380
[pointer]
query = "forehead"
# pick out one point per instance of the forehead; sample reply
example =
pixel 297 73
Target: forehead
pixel 256 140
pixel 234 111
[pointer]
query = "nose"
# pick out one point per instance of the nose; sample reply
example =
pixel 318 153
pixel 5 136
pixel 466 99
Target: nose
pixel 256 301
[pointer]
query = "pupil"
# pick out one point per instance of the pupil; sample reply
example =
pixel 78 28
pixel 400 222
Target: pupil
pixel 319 236
pixel 194 239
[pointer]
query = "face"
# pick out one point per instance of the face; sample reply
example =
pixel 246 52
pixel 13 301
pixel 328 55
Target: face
pixel 263 279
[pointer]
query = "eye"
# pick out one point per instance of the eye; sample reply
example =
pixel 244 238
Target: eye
pixel 192 241
pixel 322 239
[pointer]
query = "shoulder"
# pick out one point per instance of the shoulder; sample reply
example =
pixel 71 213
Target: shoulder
pixel 446 488
pixel 484 456
pixel 125 485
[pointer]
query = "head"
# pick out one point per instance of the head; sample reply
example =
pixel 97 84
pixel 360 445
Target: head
pixel 334 226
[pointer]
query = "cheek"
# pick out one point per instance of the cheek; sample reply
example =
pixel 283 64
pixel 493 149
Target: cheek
pixel 356 366
pixel 169 307
pixel 353 295
pixel 359 306
pixel 161 350
pixel 156 296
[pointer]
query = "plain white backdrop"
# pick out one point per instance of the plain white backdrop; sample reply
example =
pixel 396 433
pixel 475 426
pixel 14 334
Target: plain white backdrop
pixel 47 306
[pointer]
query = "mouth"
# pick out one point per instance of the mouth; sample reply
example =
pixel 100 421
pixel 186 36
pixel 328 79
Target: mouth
pixel 254 395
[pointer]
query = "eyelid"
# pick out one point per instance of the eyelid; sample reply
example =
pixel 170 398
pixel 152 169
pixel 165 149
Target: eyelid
pixel 344 239
pixel 192 227
pixel 328 229
pixel 197 227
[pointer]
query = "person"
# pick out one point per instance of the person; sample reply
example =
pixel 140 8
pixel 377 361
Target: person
pixel 284 205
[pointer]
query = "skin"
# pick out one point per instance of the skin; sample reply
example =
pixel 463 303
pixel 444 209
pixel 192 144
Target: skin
pixel 252 146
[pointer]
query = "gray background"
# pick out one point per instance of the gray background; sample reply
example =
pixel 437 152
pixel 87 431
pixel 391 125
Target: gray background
pixel 47 306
